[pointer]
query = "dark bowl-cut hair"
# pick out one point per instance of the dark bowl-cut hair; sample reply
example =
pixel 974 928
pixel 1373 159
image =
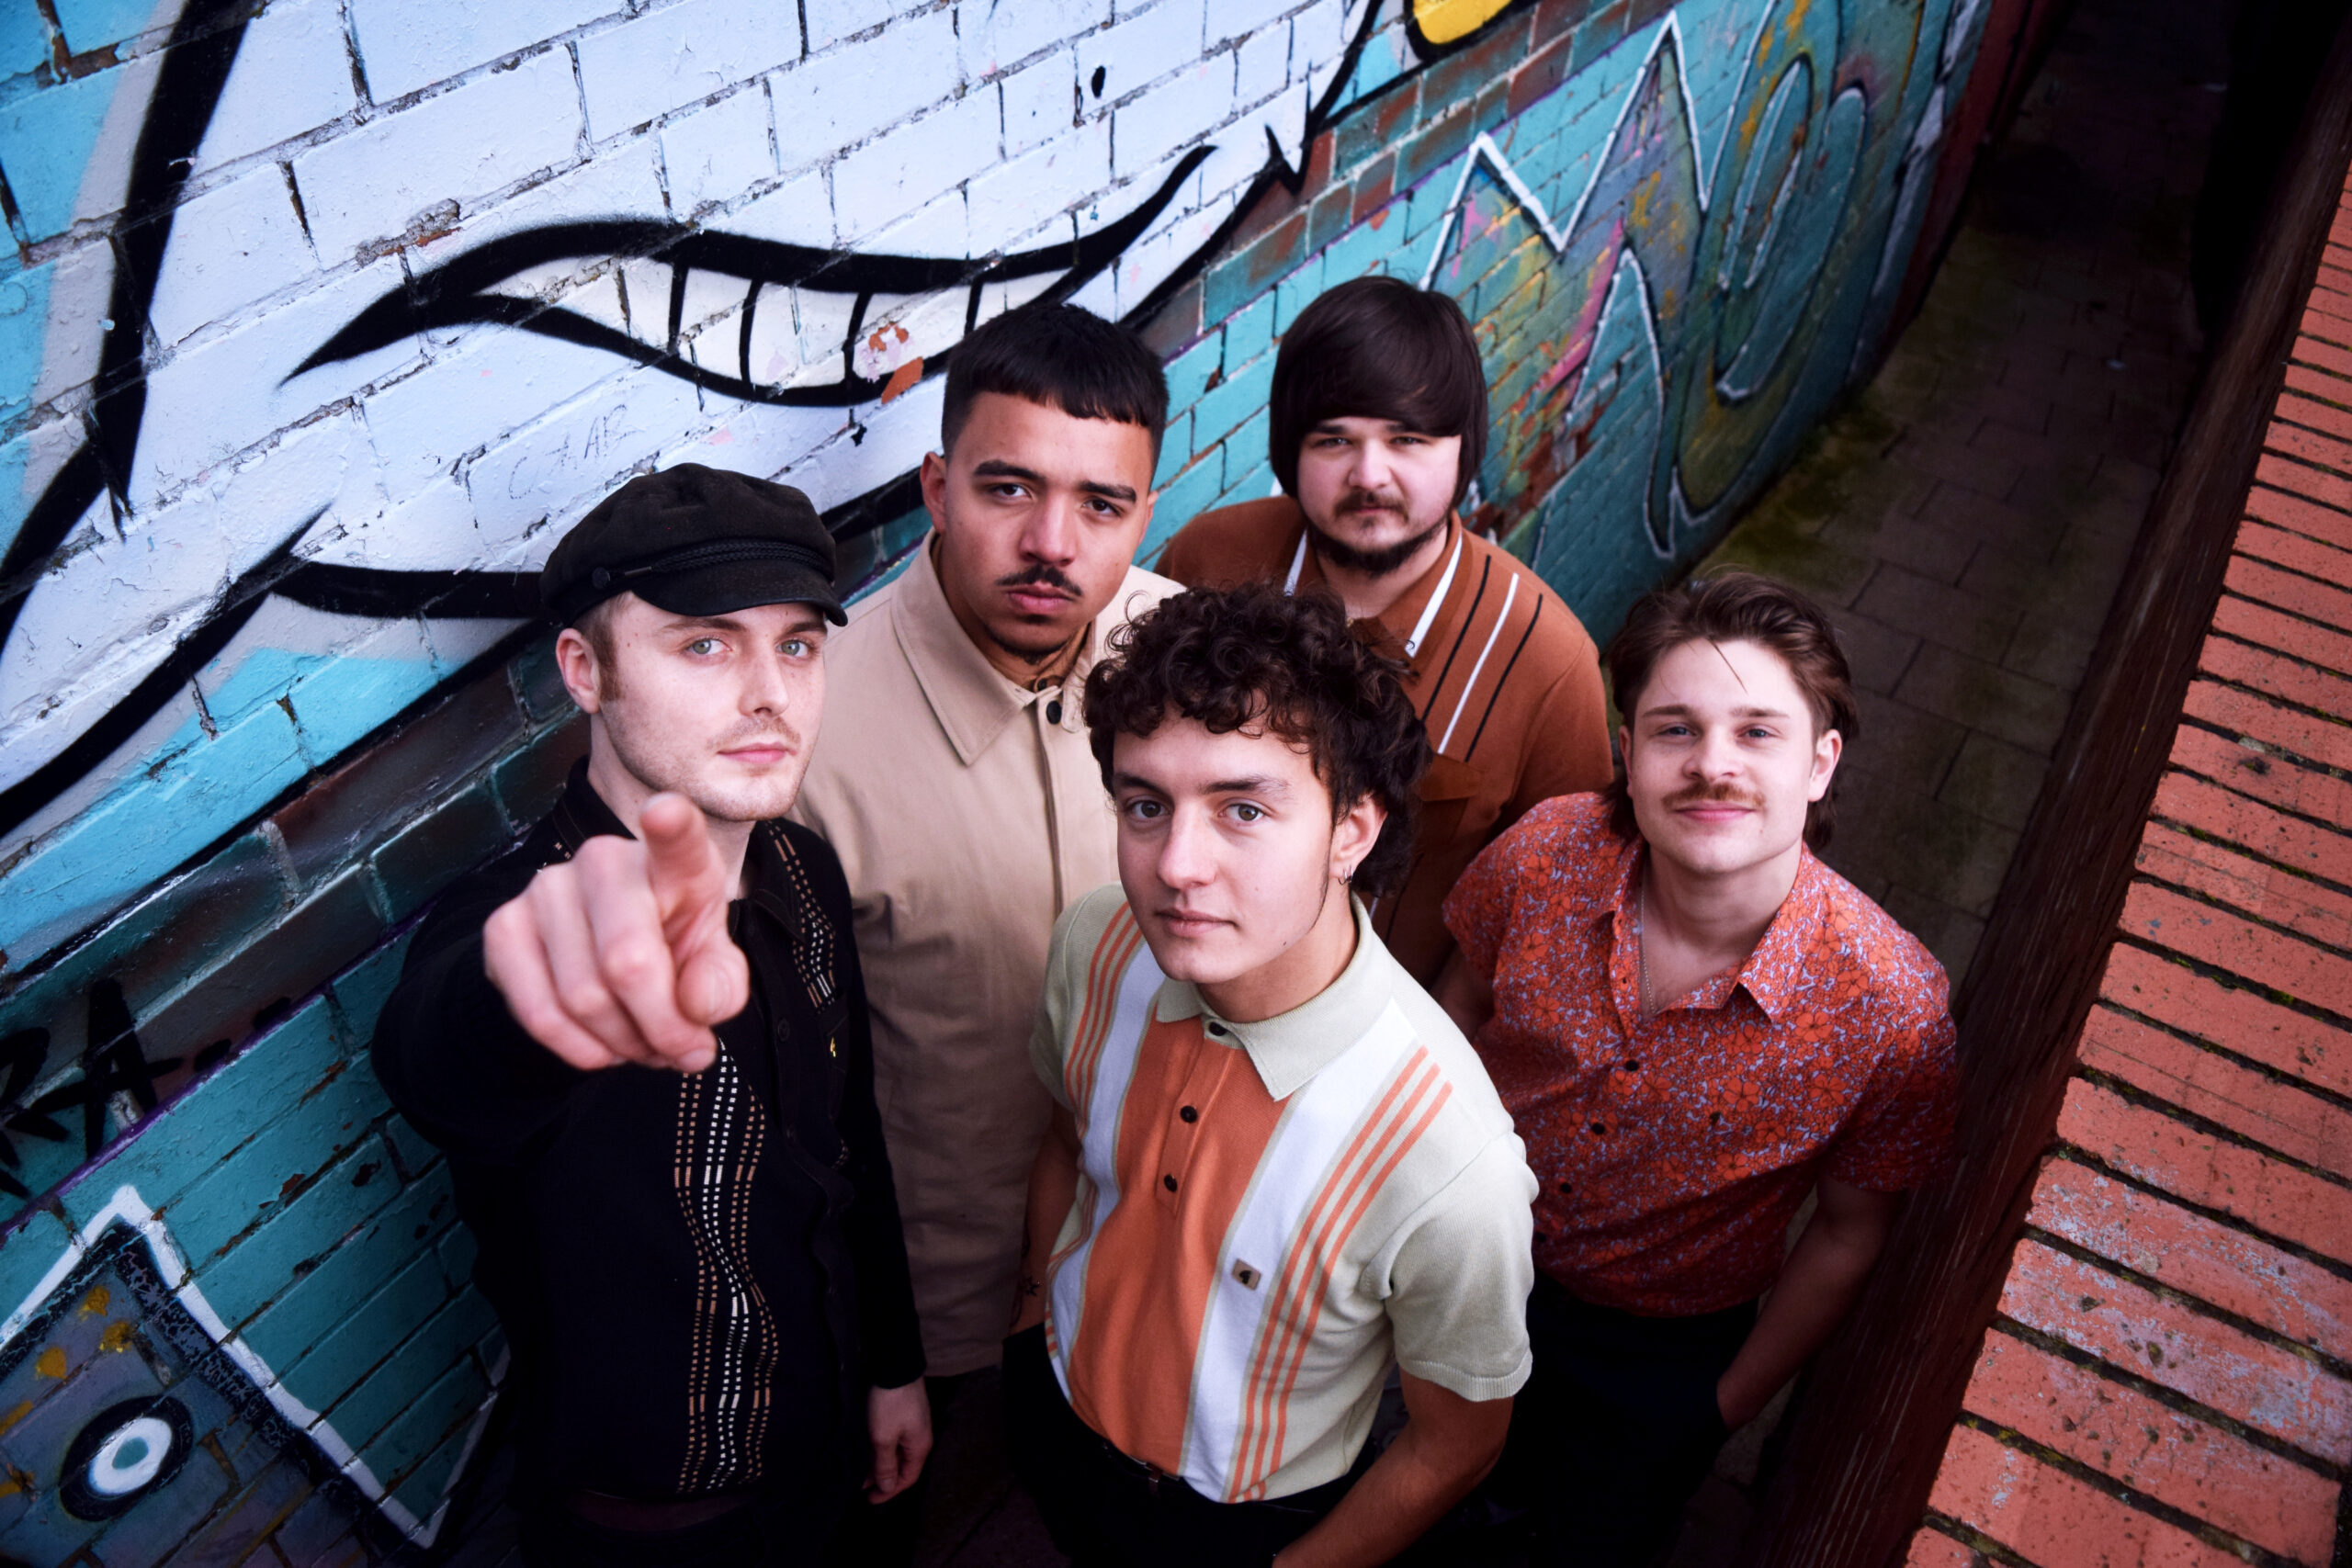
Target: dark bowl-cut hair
pixel 1063 357
pixel 1737 606
pixel 1379 348
pixel 1239 658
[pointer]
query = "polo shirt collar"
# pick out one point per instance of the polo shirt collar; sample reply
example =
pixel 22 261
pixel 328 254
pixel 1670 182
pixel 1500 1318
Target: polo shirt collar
pixel 1290 1048
pixel 970 696
pixel 1773 969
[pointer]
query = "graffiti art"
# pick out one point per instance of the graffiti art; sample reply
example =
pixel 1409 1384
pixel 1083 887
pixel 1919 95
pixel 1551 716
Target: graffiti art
pixel 322 317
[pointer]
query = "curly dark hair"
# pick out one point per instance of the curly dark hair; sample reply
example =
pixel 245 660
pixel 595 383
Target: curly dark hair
pixel 1737 606
pixel 1229 658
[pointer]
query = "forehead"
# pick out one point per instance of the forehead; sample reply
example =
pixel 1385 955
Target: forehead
pixel 640 618
pixel 1185 755
pixel 1364 425
pixel 1001 428
pixel 1722 677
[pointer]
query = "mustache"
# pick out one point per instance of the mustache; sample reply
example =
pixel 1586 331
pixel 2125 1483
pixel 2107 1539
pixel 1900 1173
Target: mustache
pixel 1370 501
pixel 1715 794
pixel 759 734
pixel 1041 574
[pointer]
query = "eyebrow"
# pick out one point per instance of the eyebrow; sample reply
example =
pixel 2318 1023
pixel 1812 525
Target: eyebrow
pixel 1686 711
pixel 1266 784
pixel 998 469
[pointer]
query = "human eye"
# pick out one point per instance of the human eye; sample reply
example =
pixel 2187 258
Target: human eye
pixel 1245 811
pixel 1142 808
pixel 796 647
pixel 702 646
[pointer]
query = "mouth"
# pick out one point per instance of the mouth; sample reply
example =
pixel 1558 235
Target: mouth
pixel 762 754
pixel 1189 922
pixel 1035 599
pixel 1714 811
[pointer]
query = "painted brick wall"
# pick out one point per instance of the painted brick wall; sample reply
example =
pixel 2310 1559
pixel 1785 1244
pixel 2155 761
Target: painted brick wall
pixel 2169 1376
pixel 320 319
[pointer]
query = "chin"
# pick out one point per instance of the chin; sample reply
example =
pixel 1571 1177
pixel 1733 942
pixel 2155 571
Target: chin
pixel 1195 959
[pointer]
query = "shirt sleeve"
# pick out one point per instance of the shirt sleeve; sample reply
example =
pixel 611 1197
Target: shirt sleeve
pixel 450 1055
pixel 1568 738
pixel 1458 1282
pixel 1477 912
pixel 1903 1130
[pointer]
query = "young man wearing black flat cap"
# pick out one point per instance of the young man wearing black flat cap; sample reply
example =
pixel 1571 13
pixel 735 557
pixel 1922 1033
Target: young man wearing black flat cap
pixel 642 1039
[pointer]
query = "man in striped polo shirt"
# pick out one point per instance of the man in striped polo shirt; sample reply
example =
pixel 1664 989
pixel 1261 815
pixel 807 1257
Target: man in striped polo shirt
pixel 1376 426
pixel 1275 1167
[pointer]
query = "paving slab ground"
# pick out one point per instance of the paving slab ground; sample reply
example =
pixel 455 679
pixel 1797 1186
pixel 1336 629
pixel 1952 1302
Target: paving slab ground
pixel 1969 515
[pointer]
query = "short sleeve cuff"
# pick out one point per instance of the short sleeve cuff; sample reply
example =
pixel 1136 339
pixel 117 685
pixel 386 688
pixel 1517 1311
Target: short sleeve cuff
pixel 1470 1385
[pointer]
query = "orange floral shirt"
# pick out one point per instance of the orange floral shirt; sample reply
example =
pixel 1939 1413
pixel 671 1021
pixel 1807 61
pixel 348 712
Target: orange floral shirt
pixel 1673 1152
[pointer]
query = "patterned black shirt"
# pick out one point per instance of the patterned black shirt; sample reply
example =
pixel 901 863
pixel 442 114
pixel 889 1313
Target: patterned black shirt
pixel 698 1274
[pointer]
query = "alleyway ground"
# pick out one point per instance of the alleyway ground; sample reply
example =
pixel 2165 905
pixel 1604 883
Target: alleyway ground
pixel 1969 515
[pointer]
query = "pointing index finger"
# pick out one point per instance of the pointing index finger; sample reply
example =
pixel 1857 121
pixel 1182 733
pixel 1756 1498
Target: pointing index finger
pixel 681 861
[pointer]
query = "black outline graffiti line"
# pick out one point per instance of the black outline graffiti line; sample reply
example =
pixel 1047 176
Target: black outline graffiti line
pixel 196 63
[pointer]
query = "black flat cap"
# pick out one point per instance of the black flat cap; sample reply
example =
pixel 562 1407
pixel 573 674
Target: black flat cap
pixel 695 541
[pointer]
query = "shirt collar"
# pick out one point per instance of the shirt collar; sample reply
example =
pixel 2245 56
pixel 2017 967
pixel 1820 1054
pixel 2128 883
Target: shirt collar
pixel 1290 1048
pixel 1772 969
pixel 1399 619
pixel 971 697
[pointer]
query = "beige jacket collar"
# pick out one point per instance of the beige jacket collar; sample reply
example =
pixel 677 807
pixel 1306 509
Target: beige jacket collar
pixel 972 701
pixel 1290 1048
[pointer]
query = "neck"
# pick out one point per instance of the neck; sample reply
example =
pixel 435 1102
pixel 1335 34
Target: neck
pixel 1367 596
pixel 1020 668
pixel 626 794
pixel 1303 971
pixel 1722 914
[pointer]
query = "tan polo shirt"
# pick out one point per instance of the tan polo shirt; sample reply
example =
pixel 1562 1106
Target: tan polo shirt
pixel 967 811
pixel 1270 1214
pixel 1502 673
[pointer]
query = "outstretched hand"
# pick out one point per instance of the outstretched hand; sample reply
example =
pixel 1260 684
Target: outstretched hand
pixel 621 954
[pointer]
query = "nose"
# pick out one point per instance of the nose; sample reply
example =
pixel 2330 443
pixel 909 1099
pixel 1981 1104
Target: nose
pixel 1716 756
pixel 1370 469
pixel 765 688
pixel 1185 857
pixel 1050 534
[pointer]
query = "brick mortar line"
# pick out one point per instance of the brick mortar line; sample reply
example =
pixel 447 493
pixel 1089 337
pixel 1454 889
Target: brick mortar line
pixel 2261 748
pixel 2137 1501
pixel 2171 1399
pixel 2335 1019
pixel 2275 1075
pixel 2249 597
pixel 2332 467
pixel 2198 896
pixel 1975 1540
pixel 2208 836
pixel 2075 1153
pixel 2216 634
pixel 2148 1100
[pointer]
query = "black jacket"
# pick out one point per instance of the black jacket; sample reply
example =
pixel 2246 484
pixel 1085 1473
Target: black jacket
pixel 699 1275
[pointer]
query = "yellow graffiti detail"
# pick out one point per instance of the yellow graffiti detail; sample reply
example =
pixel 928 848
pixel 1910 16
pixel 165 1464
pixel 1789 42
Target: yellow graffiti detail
pixel 94 1304
pixel 22 1410
pixel 116 1337
pixel 1445 21
pixel 50 1363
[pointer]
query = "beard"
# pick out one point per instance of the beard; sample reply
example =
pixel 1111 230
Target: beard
pixel 1377 562
pixel 1028 649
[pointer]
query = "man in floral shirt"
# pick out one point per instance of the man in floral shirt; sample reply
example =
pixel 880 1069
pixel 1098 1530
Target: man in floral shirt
pixel 1695 1024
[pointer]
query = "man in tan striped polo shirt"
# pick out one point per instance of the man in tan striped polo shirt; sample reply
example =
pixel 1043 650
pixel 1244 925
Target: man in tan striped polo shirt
pixel 1378 424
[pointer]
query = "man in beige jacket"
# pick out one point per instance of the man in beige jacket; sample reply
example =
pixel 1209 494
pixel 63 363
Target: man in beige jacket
pixel 956 785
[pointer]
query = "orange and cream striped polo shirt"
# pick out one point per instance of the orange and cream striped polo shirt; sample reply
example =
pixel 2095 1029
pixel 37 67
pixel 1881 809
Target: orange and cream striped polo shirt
pixel 1269 1213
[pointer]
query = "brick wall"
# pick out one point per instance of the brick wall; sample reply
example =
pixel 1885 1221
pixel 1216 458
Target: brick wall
pixel 321 319
pixel 2169 1374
